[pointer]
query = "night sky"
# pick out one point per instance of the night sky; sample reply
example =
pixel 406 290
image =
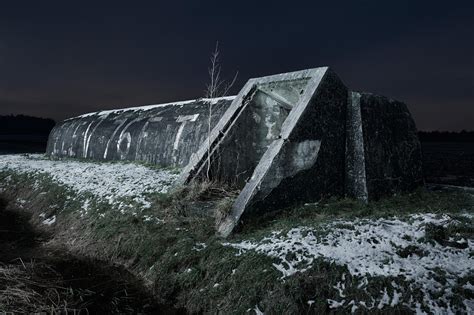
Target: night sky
pixel 62 59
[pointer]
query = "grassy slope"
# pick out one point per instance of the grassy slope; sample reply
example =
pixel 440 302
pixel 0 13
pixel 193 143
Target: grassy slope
pixel 187 266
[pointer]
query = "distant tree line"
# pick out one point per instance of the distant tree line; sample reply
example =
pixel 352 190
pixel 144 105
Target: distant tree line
pixel 25 125
pixel 462 136
pixel 28 125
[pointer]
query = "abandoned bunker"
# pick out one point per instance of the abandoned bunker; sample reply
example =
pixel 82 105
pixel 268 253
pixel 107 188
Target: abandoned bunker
pixel 283 139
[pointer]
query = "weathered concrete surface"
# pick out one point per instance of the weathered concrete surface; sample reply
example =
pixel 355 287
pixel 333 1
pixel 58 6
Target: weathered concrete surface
pixel 392 150
pixel 164 134
pixel 356 179
pixel 247 128
pixel 255 129
pixel 383 153
pixel 306 161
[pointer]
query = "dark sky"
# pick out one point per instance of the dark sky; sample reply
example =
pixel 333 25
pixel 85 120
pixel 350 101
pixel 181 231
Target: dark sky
pixel 60 59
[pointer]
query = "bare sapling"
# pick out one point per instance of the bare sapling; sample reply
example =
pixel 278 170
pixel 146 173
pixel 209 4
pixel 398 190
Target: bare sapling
pixel 217 87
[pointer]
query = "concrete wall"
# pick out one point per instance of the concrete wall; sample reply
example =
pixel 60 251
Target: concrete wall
pixel 383 153
pixel 165 134
pixel 392 150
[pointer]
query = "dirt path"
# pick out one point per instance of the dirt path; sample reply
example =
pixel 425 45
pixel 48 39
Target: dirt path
pixel 36 278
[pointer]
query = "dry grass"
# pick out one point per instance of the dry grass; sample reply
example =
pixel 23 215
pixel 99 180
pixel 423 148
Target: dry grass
pixel 223 208
pixel 23 289
pixel 190 200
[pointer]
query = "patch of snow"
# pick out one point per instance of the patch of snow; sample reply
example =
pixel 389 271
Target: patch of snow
pixel 120 184
pixel 371 249
pixel 85 207
pixel 211 101
pixel 150 218
pixel 385 300
pixel 258 311
pixel 396 298
pixel 467 215
pixel 469 304
pixel 354 306
pixel 340 287
pixel 199 247
pixel 468 286
pixel 335 304
pixel 50 221
pixel 364 282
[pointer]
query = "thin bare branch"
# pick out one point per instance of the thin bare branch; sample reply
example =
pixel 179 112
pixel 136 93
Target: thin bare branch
pixel 216 87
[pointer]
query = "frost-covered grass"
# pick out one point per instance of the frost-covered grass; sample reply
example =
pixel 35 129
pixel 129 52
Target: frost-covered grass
pixel 403 248
pixel 125 186
pixel 393 256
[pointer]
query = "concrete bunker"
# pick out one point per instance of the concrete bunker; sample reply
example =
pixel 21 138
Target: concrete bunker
pixel 248 128
pixel 163 134
pixel 284 139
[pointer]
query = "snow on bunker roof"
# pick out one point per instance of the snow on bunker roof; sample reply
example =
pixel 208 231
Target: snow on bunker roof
pixel 211 101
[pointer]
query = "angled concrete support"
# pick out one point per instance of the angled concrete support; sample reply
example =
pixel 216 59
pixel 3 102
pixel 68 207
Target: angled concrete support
pixel 356 181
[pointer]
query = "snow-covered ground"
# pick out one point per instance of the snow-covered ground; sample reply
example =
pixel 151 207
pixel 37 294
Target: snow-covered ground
pixel 114 183
pixel 371 248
